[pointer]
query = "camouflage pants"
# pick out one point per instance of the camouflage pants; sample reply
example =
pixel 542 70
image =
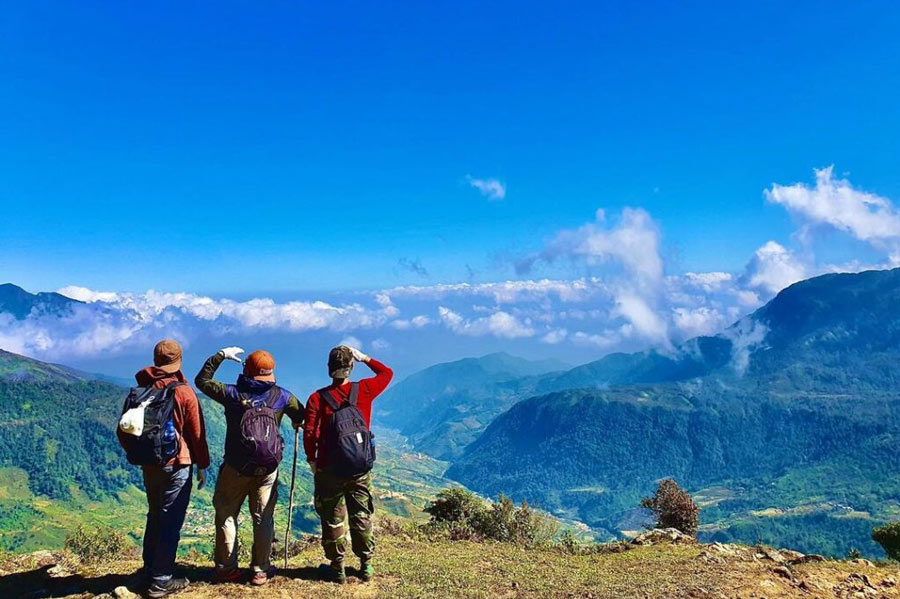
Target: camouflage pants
pixel 335 499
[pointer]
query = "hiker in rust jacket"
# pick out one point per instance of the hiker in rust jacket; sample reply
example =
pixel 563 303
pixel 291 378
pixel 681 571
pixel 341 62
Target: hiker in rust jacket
pixel 168 486
pixel 187 416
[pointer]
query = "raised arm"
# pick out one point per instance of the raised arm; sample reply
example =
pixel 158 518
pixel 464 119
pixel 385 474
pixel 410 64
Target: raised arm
pixel 378 383
pixel 204 380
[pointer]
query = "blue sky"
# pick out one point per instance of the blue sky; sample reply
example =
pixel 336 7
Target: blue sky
pixel 293 150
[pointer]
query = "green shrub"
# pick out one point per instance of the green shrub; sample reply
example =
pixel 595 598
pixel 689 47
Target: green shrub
pixel 568 543
pixel 98 543
pixel 673 508
pixel 888 536
pixel 455 505
pixel 458 514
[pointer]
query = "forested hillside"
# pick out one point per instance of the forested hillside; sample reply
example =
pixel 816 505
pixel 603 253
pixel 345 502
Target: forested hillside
pixel 801 446
pixel 445 407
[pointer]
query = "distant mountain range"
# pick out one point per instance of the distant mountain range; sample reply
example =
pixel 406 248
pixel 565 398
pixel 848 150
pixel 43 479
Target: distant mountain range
pixel 20 303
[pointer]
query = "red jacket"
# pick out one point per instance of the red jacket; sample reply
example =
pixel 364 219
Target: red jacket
pixel 318 412
pixel 187 417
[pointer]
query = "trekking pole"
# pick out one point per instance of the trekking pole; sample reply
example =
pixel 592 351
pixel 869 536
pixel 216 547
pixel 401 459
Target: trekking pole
pixel 287 533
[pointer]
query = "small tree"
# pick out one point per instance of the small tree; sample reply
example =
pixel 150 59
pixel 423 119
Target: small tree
pixel 673 508
pixel 97 543
pixel 888 536
pixel 455 506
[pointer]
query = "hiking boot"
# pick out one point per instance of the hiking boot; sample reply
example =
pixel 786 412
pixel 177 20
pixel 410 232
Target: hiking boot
pixel 262 577
pixel 223 576
pixel 170 587
pixel 333 573
pixel 366 571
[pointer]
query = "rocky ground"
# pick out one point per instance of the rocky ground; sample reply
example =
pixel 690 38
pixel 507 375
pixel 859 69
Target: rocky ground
pixel 657 564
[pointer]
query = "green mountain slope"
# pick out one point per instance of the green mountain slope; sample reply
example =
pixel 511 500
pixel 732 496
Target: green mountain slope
pixel 443 408
pixel 801 447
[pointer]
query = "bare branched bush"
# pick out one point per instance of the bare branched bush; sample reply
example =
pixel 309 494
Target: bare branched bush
pixel 673 508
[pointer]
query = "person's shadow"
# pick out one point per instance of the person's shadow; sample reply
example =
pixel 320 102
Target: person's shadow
pixel 305 573
pixel 38 584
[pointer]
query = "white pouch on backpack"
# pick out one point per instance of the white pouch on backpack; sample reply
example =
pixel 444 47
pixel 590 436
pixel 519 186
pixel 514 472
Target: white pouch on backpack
pixel 132 421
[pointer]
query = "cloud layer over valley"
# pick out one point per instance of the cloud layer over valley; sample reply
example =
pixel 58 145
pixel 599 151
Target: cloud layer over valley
pixel 630 300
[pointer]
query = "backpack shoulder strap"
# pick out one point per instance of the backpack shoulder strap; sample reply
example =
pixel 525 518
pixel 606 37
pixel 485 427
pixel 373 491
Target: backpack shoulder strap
pixel 274 396
pixel 329 399
pixel 354 394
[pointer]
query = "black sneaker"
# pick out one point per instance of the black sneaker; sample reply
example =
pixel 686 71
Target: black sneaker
pixel 158 591
pixel 366 571
pixel 333 573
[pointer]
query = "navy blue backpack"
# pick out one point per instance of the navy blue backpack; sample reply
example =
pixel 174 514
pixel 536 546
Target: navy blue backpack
pixel 158 442
pixel 350 445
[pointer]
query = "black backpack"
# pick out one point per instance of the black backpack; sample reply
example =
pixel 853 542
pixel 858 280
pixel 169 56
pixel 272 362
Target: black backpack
pixel 350 445
pixel 158 442
pixel 261 440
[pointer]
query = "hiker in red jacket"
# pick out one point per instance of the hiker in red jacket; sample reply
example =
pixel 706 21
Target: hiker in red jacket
pixel 168 485
pixel 338 494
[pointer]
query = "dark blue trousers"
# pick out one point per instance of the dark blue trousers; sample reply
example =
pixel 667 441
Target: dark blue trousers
pixel 168 493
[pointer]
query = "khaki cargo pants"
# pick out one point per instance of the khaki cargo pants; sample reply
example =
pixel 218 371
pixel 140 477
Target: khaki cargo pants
pixel 231 491
pixel 337 498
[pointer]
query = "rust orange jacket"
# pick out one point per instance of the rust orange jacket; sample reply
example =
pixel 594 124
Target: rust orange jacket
pixel 187 417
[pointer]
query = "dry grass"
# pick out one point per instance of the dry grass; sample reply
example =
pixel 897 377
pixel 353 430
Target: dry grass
pixel 448 570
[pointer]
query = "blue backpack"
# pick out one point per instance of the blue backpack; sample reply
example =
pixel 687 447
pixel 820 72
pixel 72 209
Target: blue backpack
pixel 350 445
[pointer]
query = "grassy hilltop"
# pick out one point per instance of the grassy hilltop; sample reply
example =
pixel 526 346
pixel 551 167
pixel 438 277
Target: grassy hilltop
pixel 418 568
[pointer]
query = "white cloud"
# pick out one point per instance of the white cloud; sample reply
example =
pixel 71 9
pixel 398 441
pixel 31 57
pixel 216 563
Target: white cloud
pixel 599 340
pixel 254 313
pixel 699 321
pixel 83 294
pixel 507 292
pixel 420 321
pixel 709 282
pixel 417 322
pixel 381 344
pixel 555 336
pixel 835 203
pixel 633 243
pixel 84 330
pixel 772 268
pixel 499 324
pixel 492 189
pixel 351 341
pixel 646 321
pixel 746 335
